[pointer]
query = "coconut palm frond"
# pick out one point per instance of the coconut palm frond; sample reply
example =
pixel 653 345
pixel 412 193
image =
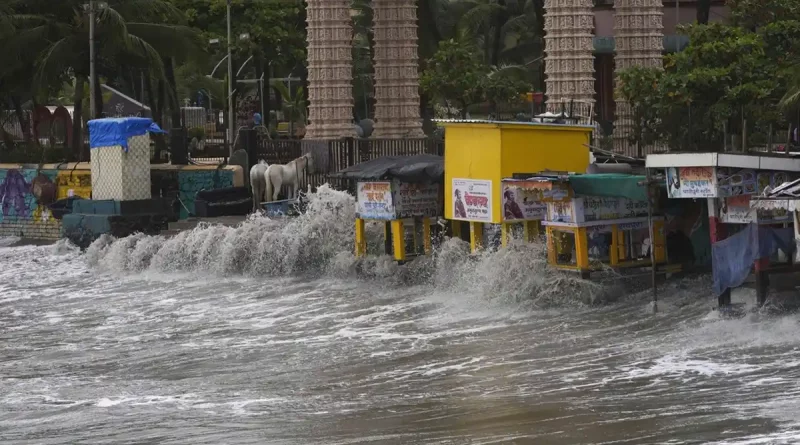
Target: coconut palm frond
pixel 176 41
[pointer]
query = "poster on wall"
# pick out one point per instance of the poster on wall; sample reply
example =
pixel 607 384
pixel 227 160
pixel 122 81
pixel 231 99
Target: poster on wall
pixel 735 182
pixel 472 200
pixel 375 200
pixel 523 203
pixel 417 200
pixel 691 182
pixel 736 210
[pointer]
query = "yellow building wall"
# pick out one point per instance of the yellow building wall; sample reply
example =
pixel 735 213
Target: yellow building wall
pixel 472 152
pixel 494 151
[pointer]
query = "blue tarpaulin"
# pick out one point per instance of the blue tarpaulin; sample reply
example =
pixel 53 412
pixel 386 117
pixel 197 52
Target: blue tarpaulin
pixel 733 257
pixel 111 132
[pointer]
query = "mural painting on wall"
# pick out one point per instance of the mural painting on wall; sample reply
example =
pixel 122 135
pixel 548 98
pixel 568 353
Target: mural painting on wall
pixel 25 194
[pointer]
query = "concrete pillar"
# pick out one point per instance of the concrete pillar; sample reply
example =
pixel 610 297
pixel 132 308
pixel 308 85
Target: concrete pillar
pixel 330 70
pixel 639 40
pixel 396 70
pixel 569 59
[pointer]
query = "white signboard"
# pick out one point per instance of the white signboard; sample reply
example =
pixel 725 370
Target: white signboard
pixel 375 200
pixel 692 182
pixel 472 200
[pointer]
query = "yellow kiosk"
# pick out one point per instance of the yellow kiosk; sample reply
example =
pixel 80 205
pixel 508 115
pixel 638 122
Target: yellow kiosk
pixel 479 154
pixel 402 192
pixel 605 221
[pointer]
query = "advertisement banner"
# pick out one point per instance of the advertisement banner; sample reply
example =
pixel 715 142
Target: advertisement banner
pixel 472 200
pixel 691 182
pixel 375 200
pixel 417 200
pixel 522 203
pixel 736 210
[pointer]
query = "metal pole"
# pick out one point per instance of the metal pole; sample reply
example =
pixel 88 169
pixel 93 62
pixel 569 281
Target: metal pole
pixel 230 86
pixel 92 63
pixel 652 240
pixel 263 118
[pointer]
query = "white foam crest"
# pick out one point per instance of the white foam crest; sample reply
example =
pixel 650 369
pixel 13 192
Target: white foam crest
pixel 320 242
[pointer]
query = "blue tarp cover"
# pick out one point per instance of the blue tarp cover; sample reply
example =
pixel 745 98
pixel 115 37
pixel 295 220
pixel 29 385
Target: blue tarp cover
pixel 111 132
pixel 733 257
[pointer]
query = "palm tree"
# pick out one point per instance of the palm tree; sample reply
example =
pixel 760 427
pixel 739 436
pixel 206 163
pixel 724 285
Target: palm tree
pixel 120 39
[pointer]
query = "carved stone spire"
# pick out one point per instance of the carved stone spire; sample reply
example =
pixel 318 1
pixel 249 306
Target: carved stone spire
pixel 639 40
pixel 396 69
pixel 569 59
pixel 330 69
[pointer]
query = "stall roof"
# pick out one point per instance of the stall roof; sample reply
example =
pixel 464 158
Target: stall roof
pixel 419 168
pixel 612 185
pixel 763 161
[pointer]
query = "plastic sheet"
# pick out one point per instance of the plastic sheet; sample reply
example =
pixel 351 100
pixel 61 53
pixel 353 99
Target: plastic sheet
pixel 111 132
pixel 733 257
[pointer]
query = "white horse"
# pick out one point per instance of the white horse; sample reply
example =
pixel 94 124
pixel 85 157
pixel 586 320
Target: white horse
pixel 279 175
pixel 258 184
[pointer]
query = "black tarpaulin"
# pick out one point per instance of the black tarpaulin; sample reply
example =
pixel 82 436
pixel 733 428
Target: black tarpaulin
pixel 419 168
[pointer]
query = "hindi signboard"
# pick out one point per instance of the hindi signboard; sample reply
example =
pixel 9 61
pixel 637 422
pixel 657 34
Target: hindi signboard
pixel 692 182
pixel 375 200
pixel 417 200
pixel 472 200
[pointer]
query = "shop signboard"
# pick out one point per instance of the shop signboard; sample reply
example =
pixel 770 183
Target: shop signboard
pixel 595 208
pixel 472 200
pixel 374 200
pixel 691 182
pixel 417 200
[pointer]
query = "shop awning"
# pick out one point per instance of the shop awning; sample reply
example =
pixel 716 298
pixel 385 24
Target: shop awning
pixel 419 168
pixel 612 185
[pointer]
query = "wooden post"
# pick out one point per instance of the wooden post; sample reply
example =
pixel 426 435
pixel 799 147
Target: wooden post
pixel 387 238
pixel 455 228
pixel 398 240
pixel 582 250
pixel 717 233
pixel 614 250
pixel 762 280
pixel 552 255
pixel 475 236
pixel 531 230
pixel 660 243
pixel 651 226
pixel 414 237
pixel 505 228
pixel 426 236
pixel 361 238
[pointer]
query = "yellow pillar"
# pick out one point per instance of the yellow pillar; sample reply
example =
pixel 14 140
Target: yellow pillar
pixel 398 240
pixel 614 250
pixel 426 236
pixel 623 254
pixel 531 230
pixel 505 229
pixel 475 236
pixel 659 243
pixel 361 238
pixel 551 246
pixel 456 228
pixel 582 248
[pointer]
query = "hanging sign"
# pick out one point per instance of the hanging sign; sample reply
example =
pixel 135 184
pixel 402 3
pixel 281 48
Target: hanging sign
pixel 417 200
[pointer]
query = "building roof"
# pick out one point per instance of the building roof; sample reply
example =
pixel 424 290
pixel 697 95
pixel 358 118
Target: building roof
pixel 761 161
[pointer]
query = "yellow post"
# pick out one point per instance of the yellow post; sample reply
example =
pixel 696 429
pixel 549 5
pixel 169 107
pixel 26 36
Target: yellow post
pixel 531 230
pixel 475 236
pixel 456 228
pixel 426 236
pixel 398 240
pixel 414 238
pixel 623 254
pixel 551 246
pixel 659 243
pixel 582 248
pixel 361 238
pixel 505 228
pixel 614 250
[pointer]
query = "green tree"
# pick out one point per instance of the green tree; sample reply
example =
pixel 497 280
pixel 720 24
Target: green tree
pixel 728 77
